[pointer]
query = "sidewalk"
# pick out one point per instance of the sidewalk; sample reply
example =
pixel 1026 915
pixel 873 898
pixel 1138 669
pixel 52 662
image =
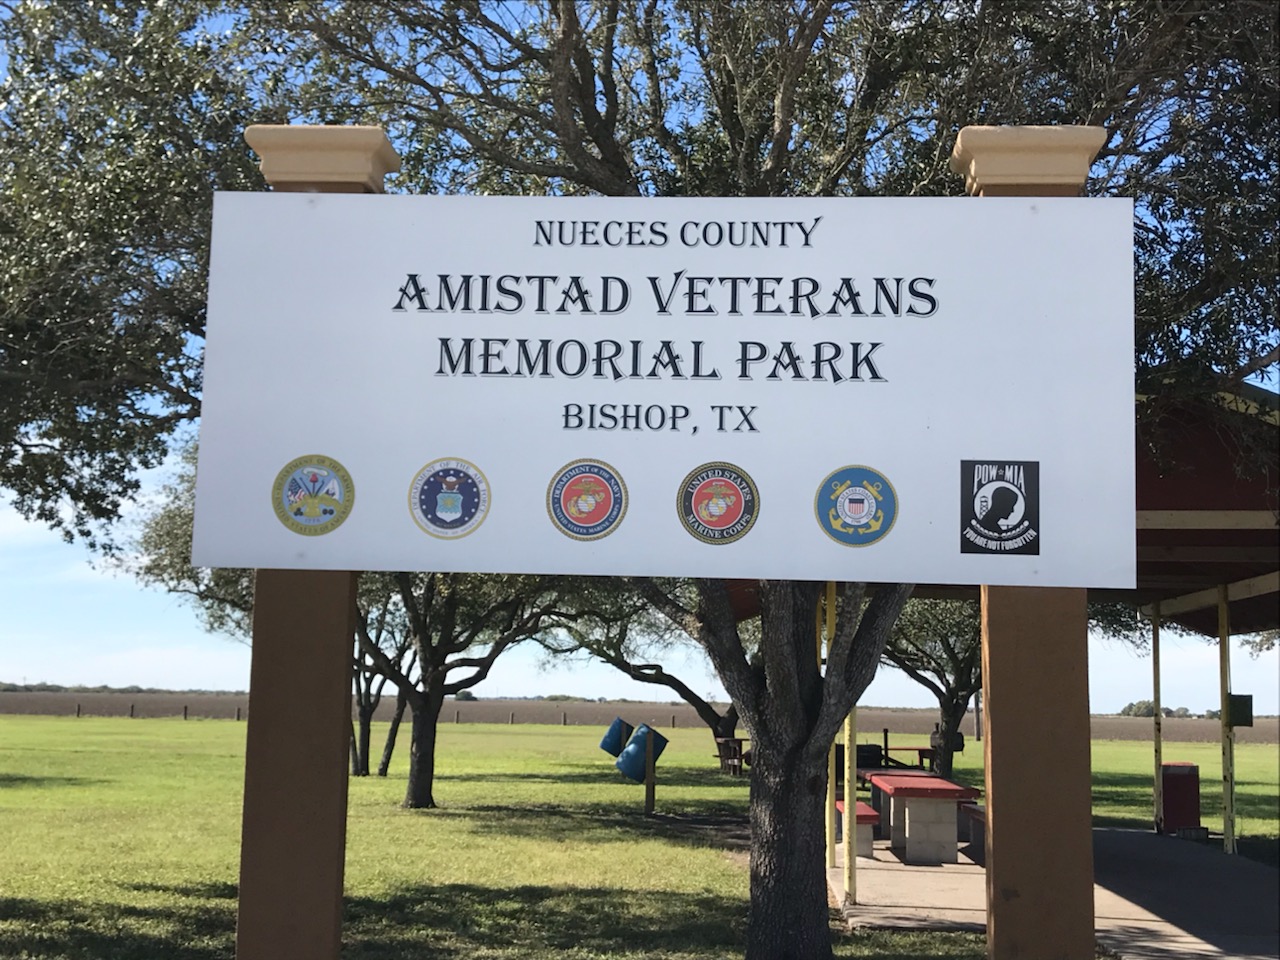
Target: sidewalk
pixel 1155 898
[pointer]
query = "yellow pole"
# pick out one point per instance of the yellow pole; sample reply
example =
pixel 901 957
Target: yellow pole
pixel 1158 792
pixel 831 756
pixel 1228 732
pixel 850 802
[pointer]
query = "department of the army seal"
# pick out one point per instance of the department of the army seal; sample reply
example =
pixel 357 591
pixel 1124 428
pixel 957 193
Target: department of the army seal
pixel 449 498
pixel 718 503
pixel 856 506
pixel 586 499
pixel 313 495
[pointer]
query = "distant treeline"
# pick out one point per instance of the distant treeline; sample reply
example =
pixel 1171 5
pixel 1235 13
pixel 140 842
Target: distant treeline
pixel 103 688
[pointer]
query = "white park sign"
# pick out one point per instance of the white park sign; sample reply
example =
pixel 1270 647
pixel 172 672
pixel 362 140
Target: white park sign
pixel 932 391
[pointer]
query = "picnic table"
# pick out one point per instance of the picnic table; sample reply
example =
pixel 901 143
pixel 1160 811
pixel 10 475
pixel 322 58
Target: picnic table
pixel 730 752
pixel 922 819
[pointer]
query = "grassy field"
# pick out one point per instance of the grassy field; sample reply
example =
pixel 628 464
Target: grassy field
pixel 121 843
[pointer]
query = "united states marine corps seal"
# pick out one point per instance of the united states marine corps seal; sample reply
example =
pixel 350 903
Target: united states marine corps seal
pixel 856 506
pixel 313 495
pixel 586 499
pixel 449 498
pixel 718 503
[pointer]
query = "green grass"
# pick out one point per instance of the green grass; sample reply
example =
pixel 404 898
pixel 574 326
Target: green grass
pixel 121 842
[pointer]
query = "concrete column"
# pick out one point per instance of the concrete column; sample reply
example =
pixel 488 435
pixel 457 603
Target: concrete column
pixel 1035 693
pixel 293 838
pixel 931 831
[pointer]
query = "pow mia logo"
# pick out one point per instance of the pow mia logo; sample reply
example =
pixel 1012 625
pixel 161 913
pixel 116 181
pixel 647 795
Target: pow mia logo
pixel 856 506
pixel 449 498
pixel 586 500
pixel 718 503
pixel 1000 506
pixel 313 495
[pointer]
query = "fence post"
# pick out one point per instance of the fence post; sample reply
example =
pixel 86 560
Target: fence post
pixel 77 711
pixel 131 711
pixel 184 711
pixel 649 775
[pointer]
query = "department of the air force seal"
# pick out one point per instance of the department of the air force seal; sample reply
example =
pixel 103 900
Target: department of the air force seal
pixel 1000 506
pixel 586 499
pixel 718 503
pixel 313 495
pixel 856 506
pixel 449 498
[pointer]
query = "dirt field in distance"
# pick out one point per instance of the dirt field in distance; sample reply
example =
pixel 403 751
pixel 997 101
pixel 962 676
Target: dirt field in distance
pixel 871 720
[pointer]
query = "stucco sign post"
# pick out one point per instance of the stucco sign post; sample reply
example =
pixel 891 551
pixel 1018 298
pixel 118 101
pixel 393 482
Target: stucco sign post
pixel 293 839
pixel 1035 669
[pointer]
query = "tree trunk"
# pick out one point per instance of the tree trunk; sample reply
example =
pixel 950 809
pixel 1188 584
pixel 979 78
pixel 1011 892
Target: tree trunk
pixel 789 918
pixel 390 746
pixel 355 751
pixel 727 725
pixel 365 713
pixel 952 711
pixel 422 751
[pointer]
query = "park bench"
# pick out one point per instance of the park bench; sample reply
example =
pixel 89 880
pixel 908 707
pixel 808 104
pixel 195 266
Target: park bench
pixel 922 818
pixel 925 756
pixel 971 825
pixel 866 819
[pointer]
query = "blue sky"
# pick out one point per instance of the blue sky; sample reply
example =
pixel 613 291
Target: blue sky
pixel 64 619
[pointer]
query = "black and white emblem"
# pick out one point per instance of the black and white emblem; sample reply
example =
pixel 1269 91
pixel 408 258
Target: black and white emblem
pixel 1000 506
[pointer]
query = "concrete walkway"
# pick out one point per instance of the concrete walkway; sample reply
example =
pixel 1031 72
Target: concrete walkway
pixel 1155 898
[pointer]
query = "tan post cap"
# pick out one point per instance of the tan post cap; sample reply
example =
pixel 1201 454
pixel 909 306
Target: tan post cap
pixel 1025 157
pixel 323 159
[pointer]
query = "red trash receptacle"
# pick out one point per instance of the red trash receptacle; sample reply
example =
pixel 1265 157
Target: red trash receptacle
pixel 1181 787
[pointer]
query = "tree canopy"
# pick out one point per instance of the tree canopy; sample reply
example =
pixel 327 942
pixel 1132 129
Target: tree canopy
pixel 118 120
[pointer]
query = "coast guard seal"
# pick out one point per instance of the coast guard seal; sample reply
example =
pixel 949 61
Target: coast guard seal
pixel 449 498
pixel 856 506
pixel 586 499
pixel 718 503
pixel 313 495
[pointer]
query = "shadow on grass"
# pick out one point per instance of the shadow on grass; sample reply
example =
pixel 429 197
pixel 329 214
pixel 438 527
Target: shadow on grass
pixel 21 780
pixel 463 921
pixel 697 825
pixel 447 922
pixel 71 930
pixel 607 774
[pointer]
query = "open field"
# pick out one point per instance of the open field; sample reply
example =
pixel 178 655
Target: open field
pixel 223 706
pixel 121 843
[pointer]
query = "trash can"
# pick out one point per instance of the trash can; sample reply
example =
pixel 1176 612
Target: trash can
pixel 616 736
pixel 631 760
pixel 1180 783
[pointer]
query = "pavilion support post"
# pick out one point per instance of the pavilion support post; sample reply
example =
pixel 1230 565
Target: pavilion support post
pixel 851 807
pixel 1228 731
pixel 293 836
pixel 1035 680
pixel 1157 793
pixel 829 606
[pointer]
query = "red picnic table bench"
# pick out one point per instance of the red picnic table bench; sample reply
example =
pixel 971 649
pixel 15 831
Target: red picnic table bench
pixel 866 819
pixel 922 819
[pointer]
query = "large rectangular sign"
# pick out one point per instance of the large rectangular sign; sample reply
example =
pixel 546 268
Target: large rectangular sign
pixel 931 390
